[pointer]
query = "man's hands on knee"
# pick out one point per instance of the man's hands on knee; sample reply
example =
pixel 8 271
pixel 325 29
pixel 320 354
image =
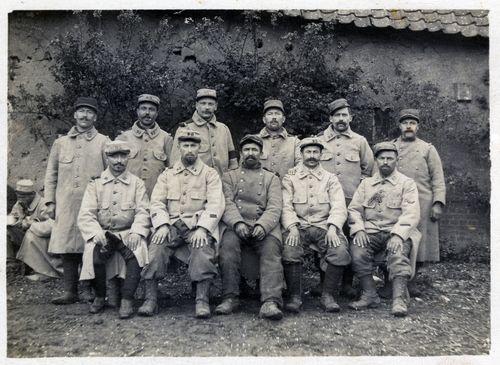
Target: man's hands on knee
pixel 133 241
pixel 198 238
pixel 293 238
pixel 258 232
pixel 394 244
pixel 161 235
pixel 332 239
pixel 242 230
pixel 361 239
pixel 100 239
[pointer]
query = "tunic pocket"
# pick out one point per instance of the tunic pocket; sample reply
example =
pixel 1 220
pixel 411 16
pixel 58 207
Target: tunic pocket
pixel 160 155
pixel 66 157
pixel 352 157
pixel 198 195
pixel 326 155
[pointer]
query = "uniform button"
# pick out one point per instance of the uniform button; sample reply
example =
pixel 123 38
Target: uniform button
pixel 114 203
pixel 213 144
pixel 338 145
pixel 383 182
pixel 258 193
pixel 78 146
pixel 185 174
pixel 272 163
pixel 145 159
pixel 239 200
pixel 310 177
pixel 116 182
pixel 311 205
pixel 76 176
pixel 242 172
pixel 338 154
pixel 114 192
pixel 241 190
pixel 146 140
pixel 184 193
pixel 215 153
pixel 183 203
pixel 311 196
pixel 310 186
pixel 239 207
pixel 242 180
pixel 114 213
pixel 338 163
pixel 260 183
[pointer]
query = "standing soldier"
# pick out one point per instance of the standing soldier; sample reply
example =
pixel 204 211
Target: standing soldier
pixel 74 159
pixel 217 147
pixel 383 217
pixel 420 161
pixel 149 145
pixel 314 212
pixel 114 221
pixel 187 204
pixel 281 151
pixel 253 210
pixel 347 155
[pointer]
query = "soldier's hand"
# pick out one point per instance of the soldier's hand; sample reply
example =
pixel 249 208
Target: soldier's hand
pixel 332 239
pixel 161 234
pixel 242 230
pixel 133 241
pixel 436 211
pixel 361 239
pixel 394 244
pixel 258 232
pixel 293 238
pixel 51 210
pixel 100 239
pixel 26 223
pixel 199 238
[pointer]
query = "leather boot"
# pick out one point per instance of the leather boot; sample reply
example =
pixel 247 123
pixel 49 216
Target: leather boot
pixel 386 291
pixel 400 296
pixel 369 297
pixel 270 310
pixel 126 309
pixel 202 291
pixel 348 290
pixel 70 276
pixel 86 294
pixel 97 305
pixel 228 306
pixel 331 286
pixel 293 277
pixel 113 292
pixel 317 290
pixel 150 305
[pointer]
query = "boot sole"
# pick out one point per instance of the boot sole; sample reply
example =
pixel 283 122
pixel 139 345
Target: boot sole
pixel 370 306
pixel 274 317
pixel 330 310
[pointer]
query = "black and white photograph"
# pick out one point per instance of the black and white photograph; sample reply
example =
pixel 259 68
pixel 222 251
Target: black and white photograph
pixel 284 182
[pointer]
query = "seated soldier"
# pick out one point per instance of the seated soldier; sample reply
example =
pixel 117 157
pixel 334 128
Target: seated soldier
pixel 29 228
pixel 253 209
pixel 314 212
pixel 114 222
pixel 383 216
pixel 187 204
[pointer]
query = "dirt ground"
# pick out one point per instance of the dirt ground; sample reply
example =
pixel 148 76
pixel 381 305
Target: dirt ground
pixel 451 317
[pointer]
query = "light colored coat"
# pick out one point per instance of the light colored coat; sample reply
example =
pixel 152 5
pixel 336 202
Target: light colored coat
pixel 217 147
pixel 149 152
pixel 280 153
pixel 119 205
pixel 420 161
pixel 347 155
pixel 312 198
pixel 74 159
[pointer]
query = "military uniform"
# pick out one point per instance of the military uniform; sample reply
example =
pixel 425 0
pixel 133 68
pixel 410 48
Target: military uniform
pixel 253 196
pixel 420 161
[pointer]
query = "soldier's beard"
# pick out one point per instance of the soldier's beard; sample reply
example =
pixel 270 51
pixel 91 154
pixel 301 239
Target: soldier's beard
pixel 385 170
pixel 409 135
pixel 189 159
pixel 251 162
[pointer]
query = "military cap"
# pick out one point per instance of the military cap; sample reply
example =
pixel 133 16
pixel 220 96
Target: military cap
pixel 149 98
pixel 189 135
pixel 409 113
pixel 88 102
pixel 338 104
pixel 206 93
pixel 311 141
pixel 384 146
pixel 116 147
pixel 252 138
pixel 274 104
pixel 25 186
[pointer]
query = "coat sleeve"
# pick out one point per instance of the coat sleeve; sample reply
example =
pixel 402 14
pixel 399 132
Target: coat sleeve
pixel 174 153
pixel 214 208
pixel 271 216
pixel 367 160
pixel 232 153
pixel 167 146
pixel 338 210
pixel 410 211
pixel 232 214
pixel 87 217
pixel 288 216
pixel 437 176
pixel 103 146
pixel 51 174
pixel 356 211
pixel 159 204
pixel 142 222
pixel 298 155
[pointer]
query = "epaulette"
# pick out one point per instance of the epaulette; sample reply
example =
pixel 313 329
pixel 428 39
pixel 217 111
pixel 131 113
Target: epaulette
pixel 292 171
pixel 274 172
pixel 320 134
pixel 94 178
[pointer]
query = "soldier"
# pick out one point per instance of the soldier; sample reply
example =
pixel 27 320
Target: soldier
pixel 383 216
pixel 281 151
pixel 253 209
pixel 314 212
pixel 347 155
pixel 217 148
pixel 114 221
pixel 29 226
pixel 149 145
pixel 187 204
pixel 420 161
pixel 73 160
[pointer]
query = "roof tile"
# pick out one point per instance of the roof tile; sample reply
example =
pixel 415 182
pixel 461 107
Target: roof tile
pixel 362 22
pixel 418 25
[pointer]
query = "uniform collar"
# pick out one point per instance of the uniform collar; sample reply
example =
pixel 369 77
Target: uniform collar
pixel 199 121
pixel 318 172
pixel 393 178
pixel 151 132
pixel 264 133
pixel 107 177
pixel 34 203
pixel 399 141
pixel 194 169
pixel 331 133
pixel 89 135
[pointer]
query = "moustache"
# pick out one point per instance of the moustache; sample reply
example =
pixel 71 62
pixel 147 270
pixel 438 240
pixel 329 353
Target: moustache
pixel 250 158
pixel 311 159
